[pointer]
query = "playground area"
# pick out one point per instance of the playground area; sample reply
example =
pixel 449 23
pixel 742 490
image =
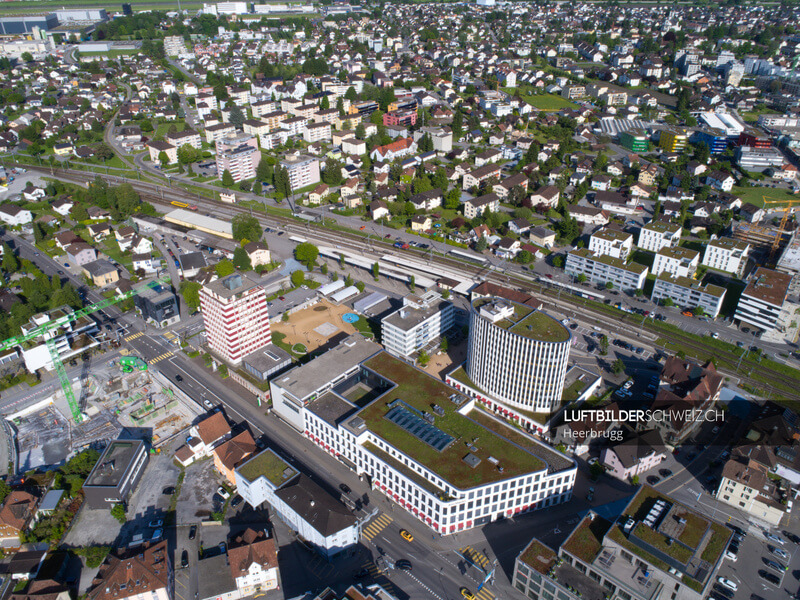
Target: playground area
pixel 313 327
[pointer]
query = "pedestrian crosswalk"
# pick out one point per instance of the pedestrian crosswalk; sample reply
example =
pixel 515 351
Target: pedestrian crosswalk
pixel 133 336
pixel 160 357
pixel 378 524
pixel 474 557
pixel 484 594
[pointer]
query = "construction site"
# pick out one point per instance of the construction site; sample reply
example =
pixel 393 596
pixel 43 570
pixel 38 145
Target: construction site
pixel 112 401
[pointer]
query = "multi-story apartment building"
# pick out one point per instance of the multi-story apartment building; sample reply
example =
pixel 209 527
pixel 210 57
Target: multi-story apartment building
pixel 303 170
pixel 407 118
pixel 395 439
pixel 255 127
pixel 658 550
pixel 477 206
pixel 746 484
pixel 294 125
pixel 263 107
pixel 605 269
pixel 659 234
pixel 274 119
pixel 677 261
pixel 762 302
pixel 238 154
pixel 611 242
pixel 517 355
pixel 219 131
pixel 421 321
pixel 689 293
pixel 235 316
pixel 189 136
pixel 317 132
pixel 475 177
pixel 727 254
pixel 672 141
pixel 634 140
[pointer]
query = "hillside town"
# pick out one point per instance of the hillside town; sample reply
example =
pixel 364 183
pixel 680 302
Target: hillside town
pixel 289 289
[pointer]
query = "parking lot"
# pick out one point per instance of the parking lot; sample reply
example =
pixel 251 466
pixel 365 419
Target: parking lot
pixel 148 501
pixel 748 572
pixel 195 502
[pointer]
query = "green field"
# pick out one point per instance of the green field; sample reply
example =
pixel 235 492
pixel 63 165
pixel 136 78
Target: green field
pixel 43 6
pixel 109 54
pixel 755 195
pixel 548 102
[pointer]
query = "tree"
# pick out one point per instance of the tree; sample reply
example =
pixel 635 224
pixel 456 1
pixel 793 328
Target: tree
pixel 241 260
pixel 257 188
pixel 582 278
pixel 603 345
pixel 224 268
pixel 360 286
pixel 307 254
pixel 558 262
pixel 446 294
pixel 227 178
pixel 618 366
pixel 187 154
pixel 26 57
pixel 164 159
pixel 423 358
pixel 361 131
pixel 668 302
pixel 118 512
pixel 635 480
pixel 283 184
pixel 325 103
pixel 264 171
pixel 481 244
pixel 190 290
pixel 376 271
pixel 444 345
pixel 412 283
pixel 452 199
pixel 244 226
pixel 524 257
pixel 595 470
pixel 10 261
pixel 609 285
pixel 237 116
pixel 298 278
pixel 698 311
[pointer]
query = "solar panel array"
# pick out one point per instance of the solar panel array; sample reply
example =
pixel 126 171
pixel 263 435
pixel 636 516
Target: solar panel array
pixel 411 420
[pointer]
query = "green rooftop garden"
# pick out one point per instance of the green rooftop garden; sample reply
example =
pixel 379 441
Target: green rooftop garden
pixel 531 323
pixel 587 539
pixel 538 556
pixel 658 540
pixel 269 465
pixel 421 391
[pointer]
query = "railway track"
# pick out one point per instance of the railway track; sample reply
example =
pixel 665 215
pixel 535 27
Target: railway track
pixel 159 195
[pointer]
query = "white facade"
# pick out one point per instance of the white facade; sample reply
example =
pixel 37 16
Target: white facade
pixel 419 322
pixel 605 269
pixel 727 254
pixel 689 293
pixel 610 242
pixel 317 132
pixel 437 503
pixel 303 171
pixel 748 499
pixel 257 579
pixel 235 316
pixel 761 303
pixel 678 262
pixel 13 215
pixel 657 235
pixel 511 366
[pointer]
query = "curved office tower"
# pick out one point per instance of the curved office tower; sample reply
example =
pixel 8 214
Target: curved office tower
pixel 517 354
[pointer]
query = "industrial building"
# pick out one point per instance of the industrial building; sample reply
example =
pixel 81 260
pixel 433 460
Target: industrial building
pixel 381 417
pixel 116 473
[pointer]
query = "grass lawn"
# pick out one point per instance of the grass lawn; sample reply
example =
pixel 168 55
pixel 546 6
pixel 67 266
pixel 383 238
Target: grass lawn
pixel 421 391
pixel 163 128
pixel 111 248
pixel 755 195
pixel 110 53
pixel 548 102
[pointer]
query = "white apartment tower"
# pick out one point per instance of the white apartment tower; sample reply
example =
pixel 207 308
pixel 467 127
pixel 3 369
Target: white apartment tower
pixel 517 354
pixel 235 316
pixel 420 321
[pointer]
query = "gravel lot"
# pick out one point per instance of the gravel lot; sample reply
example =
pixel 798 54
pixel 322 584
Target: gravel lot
pixel 147 500
pixel 199 484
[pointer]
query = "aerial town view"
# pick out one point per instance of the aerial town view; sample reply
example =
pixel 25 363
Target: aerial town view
pixel 399 300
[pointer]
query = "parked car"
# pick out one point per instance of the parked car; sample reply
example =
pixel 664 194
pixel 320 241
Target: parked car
pixel 665 473
pixel 345 489
pixel 192 532
pixel 773 538
pixel 157 523
pixel 184 559
pixel 237 500
pixel 769 577
pixel 403 564
pixel 728 583
pixel 653 480
pixel 223 492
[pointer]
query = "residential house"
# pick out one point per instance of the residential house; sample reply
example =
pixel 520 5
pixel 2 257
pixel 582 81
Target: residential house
pixel 101 272
pixel 477 206
pixel 80 253
pixel 420 223
pixel 12 215
pixel 318 193
pixel 638 453
pixel 233 452
pixel 135 574
pixel 519 226
pixel 546 196
pixel 259 253
pixel 378 209
pixel 16 515
pixel 206 435
pixel 98 231
pixel 253 560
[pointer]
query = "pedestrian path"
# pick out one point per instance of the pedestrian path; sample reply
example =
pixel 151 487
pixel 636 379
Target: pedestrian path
pixel 160 357
pixel 380 523
pixel 473 556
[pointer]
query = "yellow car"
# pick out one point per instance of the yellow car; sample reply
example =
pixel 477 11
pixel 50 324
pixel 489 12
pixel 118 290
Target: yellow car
pixel 406 536
pixel 467 594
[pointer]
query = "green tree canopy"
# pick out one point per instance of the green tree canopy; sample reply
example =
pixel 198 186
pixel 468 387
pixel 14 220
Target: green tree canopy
pixel 224 268
pixel 245 227
pixel 306 254
pixel 241 260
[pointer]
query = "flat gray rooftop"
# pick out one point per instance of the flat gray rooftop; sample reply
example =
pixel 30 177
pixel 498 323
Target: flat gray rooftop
pixel 113 463
pixel 302 381
pixel 409 317
pixel 231 285
pixel 331 407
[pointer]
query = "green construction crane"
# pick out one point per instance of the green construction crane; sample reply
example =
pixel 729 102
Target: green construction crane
pixel 58 364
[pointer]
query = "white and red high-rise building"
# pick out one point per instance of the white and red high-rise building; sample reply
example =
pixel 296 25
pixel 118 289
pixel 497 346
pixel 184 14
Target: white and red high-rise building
pixel 235 316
